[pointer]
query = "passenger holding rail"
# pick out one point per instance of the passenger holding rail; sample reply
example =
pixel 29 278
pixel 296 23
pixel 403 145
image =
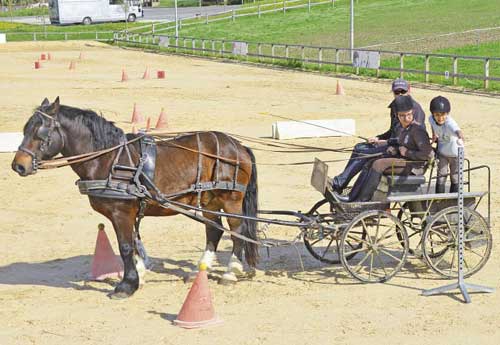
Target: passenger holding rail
pixel 408 156
pixel 448 135
pixel 379 144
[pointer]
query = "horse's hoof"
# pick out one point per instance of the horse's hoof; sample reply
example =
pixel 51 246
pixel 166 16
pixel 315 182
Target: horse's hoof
pixel 119 295
pixel 228 278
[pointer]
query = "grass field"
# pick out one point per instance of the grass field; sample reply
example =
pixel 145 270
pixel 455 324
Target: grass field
pixel 376 21
pixel 26 12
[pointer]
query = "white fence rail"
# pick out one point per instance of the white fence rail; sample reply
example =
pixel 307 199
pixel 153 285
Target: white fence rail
pixel 298 55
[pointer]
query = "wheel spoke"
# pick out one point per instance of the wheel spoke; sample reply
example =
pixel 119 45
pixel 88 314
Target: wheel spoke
pixel 371 268
pixel 366 230
pixel 355 251
pixel 381 264
pixel 472 251
pixel 385 235
pixel 390 255
pixel 362 261
pixel 452 260
pixel 327 247
pixel 378 227
pixel 358 239
pixel 449 225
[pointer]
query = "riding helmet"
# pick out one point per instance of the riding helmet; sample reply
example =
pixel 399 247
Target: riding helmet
pixel 440 104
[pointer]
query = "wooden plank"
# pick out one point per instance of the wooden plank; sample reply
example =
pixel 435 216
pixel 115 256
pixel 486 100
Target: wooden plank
pixel 313 128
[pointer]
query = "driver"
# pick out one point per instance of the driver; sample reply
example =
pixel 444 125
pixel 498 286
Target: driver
pixel 408 157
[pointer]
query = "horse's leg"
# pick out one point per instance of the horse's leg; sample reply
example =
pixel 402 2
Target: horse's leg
pixel 235 266
pixel 213 236
pixel 123 223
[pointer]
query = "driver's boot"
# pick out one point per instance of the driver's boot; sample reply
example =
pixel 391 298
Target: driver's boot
pixel 369 186
pixel 440 188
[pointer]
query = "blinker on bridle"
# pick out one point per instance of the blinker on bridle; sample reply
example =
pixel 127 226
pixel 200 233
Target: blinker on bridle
pixel 43 133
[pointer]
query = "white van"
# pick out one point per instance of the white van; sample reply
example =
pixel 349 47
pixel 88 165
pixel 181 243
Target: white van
pixel 93 11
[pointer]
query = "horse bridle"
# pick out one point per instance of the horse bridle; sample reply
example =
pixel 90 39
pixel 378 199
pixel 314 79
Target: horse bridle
pixel 43 133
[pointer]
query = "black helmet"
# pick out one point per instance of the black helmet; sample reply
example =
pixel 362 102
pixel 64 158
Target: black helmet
pixel 440 104
pixel 403 104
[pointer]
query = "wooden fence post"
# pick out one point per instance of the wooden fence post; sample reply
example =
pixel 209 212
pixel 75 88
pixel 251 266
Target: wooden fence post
pixel 193 44
pixel 455 70
pixel 203 46
pixel 320 56
pixel 486 73
pixel 401 64
pixel 272 53
pixel 213 47
pixel 337 59
pixel 309 6
pixel 233 16
pixel 259 51
pixel 286 51
pixel 303 54
pixel 206 18
pixel 427 64
pixel 223 48
pixel 258 10
pixel 284 7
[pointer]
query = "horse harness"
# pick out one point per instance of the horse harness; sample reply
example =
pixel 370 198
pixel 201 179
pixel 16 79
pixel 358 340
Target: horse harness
pixel 136 182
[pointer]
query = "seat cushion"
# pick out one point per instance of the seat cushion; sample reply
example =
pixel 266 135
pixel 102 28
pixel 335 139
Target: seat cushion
pixel 405 180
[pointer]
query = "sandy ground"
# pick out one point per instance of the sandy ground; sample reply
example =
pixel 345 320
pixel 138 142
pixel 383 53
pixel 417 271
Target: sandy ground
pixel 48 229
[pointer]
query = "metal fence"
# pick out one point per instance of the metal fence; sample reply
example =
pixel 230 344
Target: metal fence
pixel 59 36
pixel 427 65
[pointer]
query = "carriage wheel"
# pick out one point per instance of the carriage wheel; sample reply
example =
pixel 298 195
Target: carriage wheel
pixel 440 242
pixel 323 243
pixel 414 229
pixel 381 253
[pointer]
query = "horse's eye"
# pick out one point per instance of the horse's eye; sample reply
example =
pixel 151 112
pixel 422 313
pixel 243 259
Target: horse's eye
pixel 42 133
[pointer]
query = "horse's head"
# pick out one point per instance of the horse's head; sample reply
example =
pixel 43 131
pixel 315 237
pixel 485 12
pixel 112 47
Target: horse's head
pixel 43 138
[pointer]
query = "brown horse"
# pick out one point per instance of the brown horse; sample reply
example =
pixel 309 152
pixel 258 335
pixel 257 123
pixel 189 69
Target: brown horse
pixel 55 128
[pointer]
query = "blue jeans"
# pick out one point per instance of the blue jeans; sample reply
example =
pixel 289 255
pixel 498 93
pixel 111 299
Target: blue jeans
pixel 357 161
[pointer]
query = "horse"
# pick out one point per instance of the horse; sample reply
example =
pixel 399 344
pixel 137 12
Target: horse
pixel 181 162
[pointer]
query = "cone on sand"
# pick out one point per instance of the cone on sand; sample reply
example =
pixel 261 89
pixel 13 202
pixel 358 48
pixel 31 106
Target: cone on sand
pixel 162 121
pixel 124 75
pixel 340 89
pixel 136 115
pixel 146 74
pixel 43 57
pixel 105 263
pixel 72 66
pixel 197 310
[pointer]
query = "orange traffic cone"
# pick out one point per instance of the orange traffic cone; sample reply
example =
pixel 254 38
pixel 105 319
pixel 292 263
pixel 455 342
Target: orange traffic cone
pixel 146 74
pixel 37 64
pixel 148 124
pixel 340 89
pixel 105 263
pixel 43 57
pixel 197 310
pixel 136 115
pixel 162 121
pixel 72 66
pixel 124 75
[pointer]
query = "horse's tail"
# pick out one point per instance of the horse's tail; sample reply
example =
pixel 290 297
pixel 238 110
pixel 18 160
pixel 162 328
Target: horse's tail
pixel 250 206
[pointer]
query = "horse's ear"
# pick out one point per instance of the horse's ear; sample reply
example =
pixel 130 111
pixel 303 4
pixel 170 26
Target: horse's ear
pixel 56 106
pixel 45 102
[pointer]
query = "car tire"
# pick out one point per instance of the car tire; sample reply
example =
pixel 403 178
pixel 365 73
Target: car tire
pixel 131 18
pixel 87 21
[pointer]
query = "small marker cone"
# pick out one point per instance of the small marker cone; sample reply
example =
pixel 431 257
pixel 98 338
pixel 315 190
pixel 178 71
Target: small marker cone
pixel 43 57
pixel 146 74
pixel 340 89
pixel 124 75
pixel 105 263
pixel 162 121
pixel 37 64
pixel 148 124
pixel 160 74
pixel 197 310
pixel 136 116
pixel 72 66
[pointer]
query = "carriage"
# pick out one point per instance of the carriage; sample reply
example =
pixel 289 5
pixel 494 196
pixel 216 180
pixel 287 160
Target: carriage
pixel 372 240
pixel 208 176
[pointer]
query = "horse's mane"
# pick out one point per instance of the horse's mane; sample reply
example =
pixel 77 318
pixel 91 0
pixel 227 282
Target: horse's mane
pixel 103 133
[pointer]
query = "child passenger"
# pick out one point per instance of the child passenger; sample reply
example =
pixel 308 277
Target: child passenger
pixel 449 136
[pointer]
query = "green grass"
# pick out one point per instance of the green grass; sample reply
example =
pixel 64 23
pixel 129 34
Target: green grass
pixel 180 3
pixel 26 12
pixel 376 21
